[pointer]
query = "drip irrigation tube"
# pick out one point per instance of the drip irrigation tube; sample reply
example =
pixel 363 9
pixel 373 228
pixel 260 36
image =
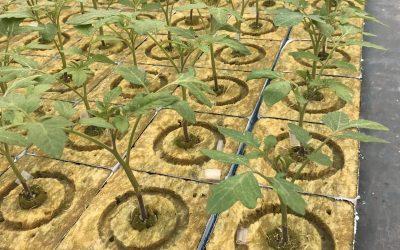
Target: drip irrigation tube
pixel 212 221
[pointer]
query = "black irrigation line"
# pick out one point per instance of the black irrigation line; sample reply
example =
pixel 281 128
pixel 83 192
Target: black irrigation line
pixel 254 117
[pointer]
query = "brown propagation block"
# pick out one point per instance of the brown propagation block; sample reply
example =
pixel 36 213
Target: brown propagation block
pixel 156 150
pixel 316 4
pixel 239 96
pixel 328 224
pixel 71 36
pixel 287 63
pixel 69 188
pixel 339 180
pixel 263 5
pixel 105 224
pixel 158 77
pixel 200 24
pixel 267 31
pixel 262 56
pixel 149 53
pixel 288 109
pixel 80 150
pixel 60 91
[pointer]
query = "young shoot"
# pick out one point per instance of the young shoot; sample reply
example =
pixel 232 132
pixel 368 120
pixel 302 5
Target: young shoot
pixel 226 194
pixel 327 35
pixel 115 121
pixel 22 126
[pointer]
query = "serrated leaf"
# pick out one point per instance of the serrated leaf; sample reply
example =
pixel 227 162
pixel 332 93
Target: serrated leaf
pixel 270 142
pixel 254 154
pixel 235 45
pixel 320 158
pixel 121 123
pixel 185 111
pixel 360 137
pixel 304 55
pixel 12 138
pixel 111 95
pixel 133 75
pixel 287 18
pixel 336 120
pixel 243 188
pixel 194 86
pixel 363 44
pixel 245 137
pixel 25 61
pixel 342 91
pixel 288 193
pixel 48 137
pixel 102 59
pixel 326 29
pixel 144 103
pixel 366 124
pixel 148 26
pixel 276 91
pixel 262 74
pixel 300 133
pixel 65 109
pixel 185 33
pixel 224 157
pixel 97 122
pixel 344 65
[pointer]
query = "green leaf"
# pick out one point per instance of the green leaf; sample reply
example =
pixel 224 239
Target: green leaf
pixel 326 29
pixel 25 61
pixel 270 142
pixel 344 65
pixel 48 32
pixel 144 103
pixel 245 137
pixel 65 109
pixel 148 26
pixel 183 108
pixel 133 75
pixel 286 18
pixel 363 44
pixel 102 59
pixel 48 136
pixel 262 74
pixel 304 55
pixel 224 157
pixel 73 51
pixel 254 154
pixel 111 95
pixel 288 193
pixel 300 133
pixel 276 91
pixel 320 158
pixel 79 72
pixel 366 124
pixel 37 46
pixel 12 138
pixel 185 33
pixel 97 122
pixel 121 123
pixel 336 120
pixel 345 93
pixel 235 45
pixel 194 86
pixel 360 137
pixel 243 188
